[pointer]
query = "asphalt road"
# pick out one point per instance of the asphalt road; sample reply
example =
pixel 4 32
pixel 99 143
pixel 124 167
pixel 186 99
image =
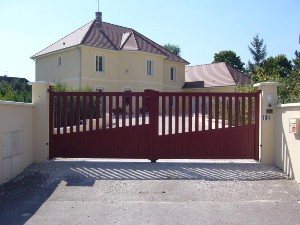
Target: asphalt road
pixel 139 192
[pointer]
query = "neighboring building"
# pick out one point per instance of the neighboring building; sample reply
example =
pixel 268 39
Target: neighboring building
pixel 108 57
pixel 215 77
pixel 17 81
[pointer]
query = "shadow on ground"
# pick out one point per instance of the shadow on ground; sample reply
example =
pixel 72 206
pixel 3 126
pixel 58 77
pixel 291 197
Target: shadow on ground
pixel 23 196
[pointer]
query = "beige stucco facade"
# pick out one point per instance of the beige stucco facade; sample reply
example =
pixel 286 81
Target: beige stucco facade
pixel 123 70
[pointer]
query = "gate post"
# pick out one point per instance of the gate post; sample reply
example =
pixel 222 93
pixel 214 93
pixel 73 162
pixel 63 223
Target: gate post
pixel 40 99
pixel 267 121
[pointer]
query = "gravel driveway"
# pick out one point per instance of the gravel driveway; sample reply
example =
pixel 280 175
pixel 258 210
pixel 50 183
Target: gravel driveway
pixel 139 192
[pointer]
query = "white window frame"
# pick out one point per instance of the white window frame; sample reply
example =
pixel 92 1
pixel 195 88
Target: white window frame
pixel 173 76
pixel 59 61
pixel 96 63
pixel 150 67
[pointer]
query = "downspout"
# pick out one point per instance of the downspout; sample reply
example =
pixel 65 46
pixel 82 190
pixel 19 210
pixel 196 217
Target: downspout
pixel 79 65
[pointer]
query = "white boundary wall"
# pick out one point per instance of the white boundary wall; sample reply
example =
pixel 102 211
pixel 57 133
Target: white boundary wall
pixel 287 145
pixel 16 138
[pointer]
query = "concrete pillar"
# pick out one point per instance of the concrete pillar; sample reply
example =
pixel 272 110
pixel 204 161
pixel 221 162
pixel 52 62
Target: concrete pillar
pixel 267 121
pixel 40 99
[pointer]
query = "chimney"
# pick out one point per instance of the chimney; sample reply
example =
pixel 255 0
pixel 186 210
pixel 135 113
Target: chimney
pixel 99 20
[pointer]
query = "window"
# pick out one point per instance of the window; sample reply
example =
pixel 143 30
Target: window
pixel 150 67
pixel 59 61
pixel 173 73
pixel 100 63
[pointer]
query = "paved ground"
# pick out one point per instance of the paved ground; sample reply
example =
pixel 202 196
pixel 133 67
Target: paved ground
pixel 191 192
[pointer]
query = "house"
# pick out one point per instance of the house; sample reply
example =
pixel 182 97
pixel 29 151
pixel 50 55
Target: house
pixel 109 57
pixel 215 77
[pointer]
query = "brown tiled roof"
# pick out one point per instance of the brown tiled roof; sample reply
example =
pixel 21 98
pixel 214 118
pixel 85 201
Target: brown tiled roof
pixel 110 37
pixel 214 75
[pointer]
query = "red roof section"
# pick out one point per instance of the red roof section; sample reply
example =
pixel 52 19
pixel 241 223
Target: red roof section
pixel 110 37
pixel 214 75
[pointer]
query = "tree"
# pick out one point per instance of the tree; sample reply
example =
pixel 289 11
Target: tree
pixel 258 51
pixel 229 57
pixel 15 91
pixel 296 61
pixel 175 49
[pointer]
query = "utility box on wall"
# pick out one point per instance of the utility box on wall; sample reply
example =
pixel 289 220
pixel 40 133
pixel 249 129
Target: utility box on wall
pixel 294 125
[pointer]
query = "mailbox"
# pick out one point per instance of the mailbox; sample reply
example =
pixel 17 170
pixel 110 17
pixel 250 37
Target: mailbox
pixel 295 125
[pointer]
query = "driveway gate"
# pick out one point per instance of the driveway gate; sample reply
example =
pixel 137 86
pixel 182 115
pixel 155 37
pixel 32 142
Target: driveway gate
pixel 154 125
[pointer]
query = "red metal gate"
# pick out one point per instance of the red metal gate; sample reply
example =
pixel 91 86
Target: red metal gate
pixel 177 126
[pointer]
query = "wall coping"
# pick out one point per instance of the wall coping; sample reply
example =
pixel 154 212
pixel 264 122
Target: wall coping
pixel 287 105
pixel 267 84
pixel 41 83
pixel 16 103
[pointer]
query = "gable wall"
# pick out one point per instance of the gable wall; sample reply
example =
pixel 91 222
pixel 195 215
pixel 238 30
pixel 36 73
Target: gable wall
pixel 47 68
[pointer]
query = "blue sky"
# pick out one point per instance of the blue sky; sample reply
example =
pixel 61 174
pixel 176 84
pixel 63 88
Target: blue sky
pixel 200 27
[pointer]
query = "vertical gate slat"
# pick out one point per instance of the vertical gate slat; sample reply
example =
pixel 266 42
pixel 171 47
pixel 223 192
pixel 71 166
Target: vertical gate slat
pixel 243 111
pixel 176 113
pixel 197 113
pixel 203 109
pixel 104 122
pixel 71 113
pixel 223 111
pixel 144 99
pixel 137 108
pixel 230 112
pixel 77 113
pixel 236 114
pixel 117 110
pixel 170 114
pixel 210 113
pixel 183 113
pixel 110 112
pixel 123 109
pixel 91 102
pixel 130 110
pixel 190 113
pixel 97 111
pixel 58 114
pixel 84 113
pixel 65 114
pixel 217 112
pixel 163 116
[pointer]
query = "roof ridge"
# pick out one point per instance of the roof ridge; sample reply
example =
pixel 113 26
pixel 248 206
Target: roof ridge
pixel 149 41
pixel 91 22
pixel 154 44
pixel 207 64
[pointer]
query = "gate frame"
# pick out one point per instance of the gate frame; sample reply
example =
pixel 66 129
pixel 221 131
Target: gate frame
pixel 153 98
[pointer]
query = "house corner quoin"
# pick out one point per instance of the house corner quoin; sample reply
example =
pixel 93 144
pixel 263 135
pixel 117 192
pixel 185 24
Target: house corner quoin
pixel 40 99
pixel 267 121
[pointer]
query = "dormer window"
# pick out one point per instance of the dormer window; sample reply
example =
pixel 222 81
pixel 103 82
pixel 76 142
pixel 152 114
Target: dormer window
pixel 59 61
pixel 173 73
pixel 150 67
pixel 100 63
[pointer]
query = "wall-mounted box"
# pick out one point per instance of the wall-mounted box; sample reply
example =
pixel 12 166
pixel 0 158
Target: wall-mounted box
pixel 295 125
